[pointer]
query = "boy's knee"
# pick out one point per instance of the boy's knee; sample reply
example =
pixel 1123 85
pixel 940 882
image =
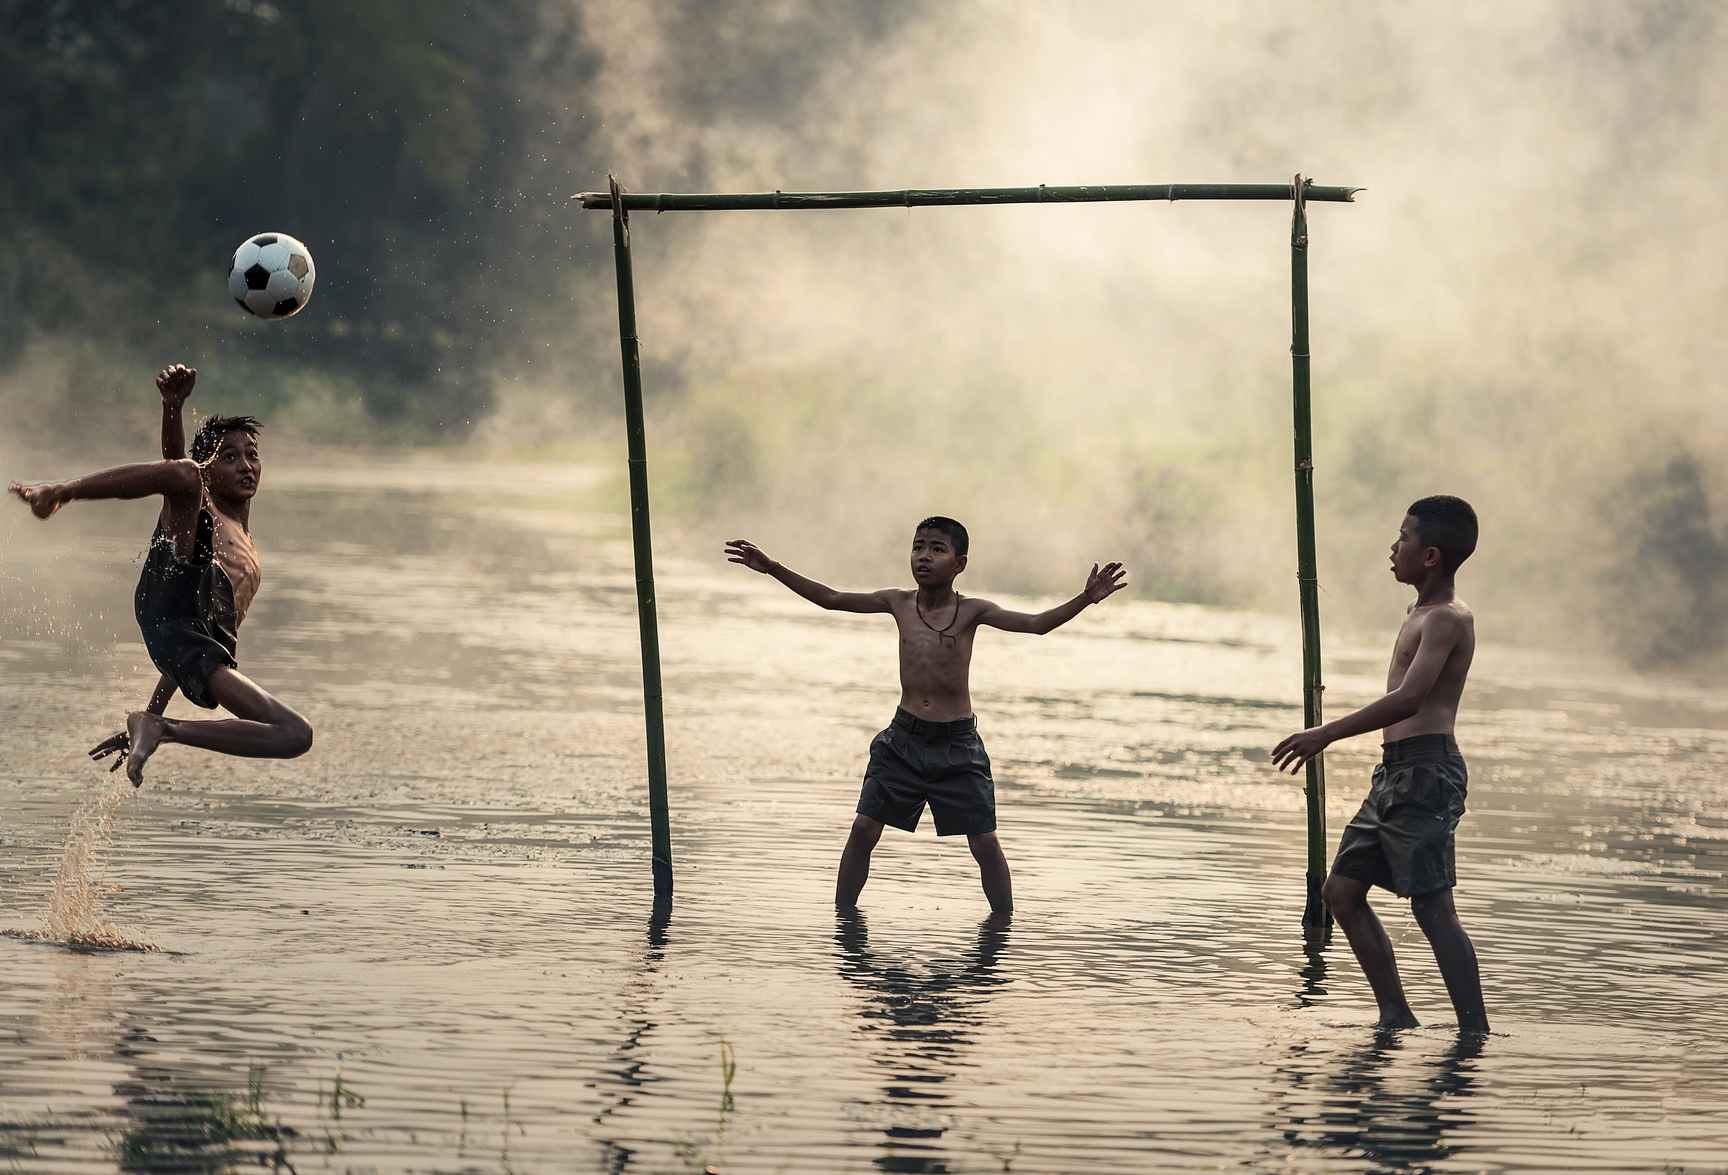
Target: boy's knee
pixel 298 732
pixel 1433 910
pixel 1342 895
pixel 866 831
pixel 984 844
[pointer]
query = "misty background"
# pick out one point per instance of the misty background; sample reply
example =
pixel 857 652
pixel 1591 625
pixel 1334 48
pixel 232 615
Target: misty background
pixel 1521 308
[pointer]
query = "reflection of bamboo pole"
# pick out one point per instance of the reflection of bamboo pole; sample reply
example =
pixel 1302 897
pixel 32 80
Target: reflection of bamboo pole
pixel 638 442
pixel 1314 914
pixel 928 197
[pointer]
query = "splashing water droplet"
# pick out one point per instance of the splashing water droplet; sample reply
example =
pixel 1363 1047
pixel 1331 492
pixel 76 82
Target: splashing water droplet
pixel 74 914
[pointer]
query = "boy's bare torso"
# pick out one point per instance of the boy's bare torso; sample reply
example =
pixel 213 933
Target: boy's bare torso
pixel 935 655
pixel 237 556
pixel 1439 712
pixel 234 550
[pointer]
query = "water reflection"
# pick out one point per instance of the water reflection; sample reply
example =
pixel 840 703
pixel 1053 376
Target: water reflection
pixel 180 1117
pixel 1313 972
pixel 1373 1109
pixel 628 1077
pixel 921 1020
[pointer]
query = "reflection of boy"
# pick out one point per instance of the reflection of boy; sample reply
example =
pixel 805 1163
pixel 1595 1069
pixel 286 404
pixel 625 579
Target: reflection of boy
pixel 931 753
pixel 1402 839
pixel 200 576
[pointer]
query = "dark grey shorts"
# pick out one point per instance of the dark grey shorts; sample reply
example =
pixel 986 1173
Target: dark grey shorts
pixel 1402 838
pixel 942 764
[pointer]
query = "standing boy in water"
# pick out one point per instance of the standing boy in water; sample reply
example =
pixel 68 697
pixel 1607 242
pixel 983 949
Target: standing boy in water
pixel 1402 838
pixel 200 576
pixel 931 752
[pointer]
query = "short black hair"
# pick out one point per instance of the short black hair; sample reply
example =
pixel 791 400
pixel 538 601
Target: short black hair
pixel 956 533
pixel 209 436
pixel 1448 524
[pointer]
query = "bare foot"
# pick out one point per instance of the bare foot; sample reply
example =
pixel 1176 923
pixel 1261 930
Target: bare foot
pixel 42 499
pixel 1397 1021
pixel 144 731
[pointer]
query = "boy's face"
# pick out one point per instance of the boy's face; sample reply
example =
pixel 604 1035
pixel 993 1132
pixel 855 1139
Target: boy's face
pixel 235 470
pixel 1410 559
pixel 934 561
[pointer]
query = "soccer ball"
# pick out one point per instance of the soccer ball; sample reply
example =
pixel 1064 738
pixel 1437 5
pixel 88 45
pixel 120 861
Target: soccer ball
pixel 272 275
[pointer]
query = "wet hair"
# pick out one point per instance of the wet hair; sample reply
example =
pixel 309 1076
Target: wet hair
pixel 209 436
pixel 956 533
pixel 1448 524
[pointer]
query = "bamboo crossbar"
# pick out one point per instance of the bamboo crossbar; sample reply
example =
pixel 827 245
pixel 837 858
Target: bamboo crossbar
pixel 944 197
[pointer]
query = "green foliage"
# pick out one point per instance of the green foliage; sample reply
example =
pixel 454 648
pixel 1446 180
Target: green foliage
pixel 396 138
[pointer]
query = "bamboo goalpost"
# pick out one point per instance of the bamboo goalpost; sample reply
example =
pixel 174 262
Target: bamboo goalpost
pixel 1300 192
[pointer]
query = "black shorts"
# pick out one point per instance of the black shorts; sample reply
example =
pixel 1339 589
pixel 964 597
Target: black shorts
pixel 942 764
pixel 186 614
pixel 189 652
pixel 1402 839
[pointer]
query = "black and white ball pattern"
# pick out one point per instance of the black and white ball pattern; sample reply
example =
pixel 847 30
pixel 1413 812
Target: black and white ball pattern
pixel 272 275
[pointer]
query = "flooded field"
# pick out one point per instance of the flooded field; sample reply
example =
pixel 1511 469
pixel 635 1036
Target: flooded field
pixel 429 945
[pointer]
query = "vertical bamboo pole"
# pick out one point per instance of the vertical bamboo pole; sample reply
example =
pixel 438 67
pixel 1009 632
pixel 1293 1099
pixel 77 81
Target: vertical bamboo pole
pixel 1314 914
pixel 658 815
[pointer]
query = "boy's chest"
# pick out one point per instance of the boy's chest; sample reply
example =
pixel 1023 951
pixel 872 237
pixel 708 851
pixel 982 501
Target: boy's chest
pixel 1404 650
pixel 238 557
pixel 934 650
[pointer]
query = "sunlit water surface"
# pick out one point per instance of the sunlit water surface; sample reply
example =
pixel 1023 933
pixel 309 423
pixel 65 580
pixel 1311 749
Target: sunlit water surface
pixel 429 945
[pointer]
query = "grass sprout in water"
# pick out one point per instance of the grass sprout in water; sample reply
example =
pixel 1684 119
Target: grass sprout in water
pixel 206 1130
pixel 74 914
pixel 702 1156
pixel 343 1097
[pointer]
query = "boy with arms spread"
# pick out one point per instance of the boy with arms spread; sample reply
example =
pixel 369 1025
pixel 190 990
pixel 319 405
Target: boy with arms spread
pixel 1402 838
pixel 931 752
pixel 200 576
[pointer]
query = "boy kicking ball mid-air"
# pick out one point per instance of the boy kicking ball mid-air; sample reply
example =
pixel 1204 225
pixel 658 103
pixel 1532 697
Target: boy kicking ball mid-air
pixel 931 753
pixel 200 576
pixel 1402 838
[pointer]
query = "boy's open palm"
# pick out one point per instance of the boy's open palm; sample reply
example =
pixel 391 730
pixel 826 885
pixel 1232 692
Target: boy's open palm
pixel 747 554
pixel 175 382
pixel 1104 582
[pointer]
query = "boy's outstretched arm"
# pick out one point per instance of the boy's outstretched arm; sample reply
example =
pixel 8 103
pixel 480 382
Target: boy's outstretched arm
pixel 1440 633
pixel 175 383
pixel 1100 585
pixel 748 554
pixel 170 478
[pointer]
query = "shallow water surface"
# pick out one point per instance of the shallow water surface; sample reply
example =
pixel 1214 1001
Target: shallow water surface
pixel 430 946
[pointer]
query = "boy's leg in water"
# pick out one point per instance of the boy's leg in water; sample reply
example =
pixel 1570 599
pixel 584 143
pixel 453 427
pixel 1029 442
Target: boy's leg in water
pixel 264 728
pixel 855 861
pixel 993 871
pixel 1347 898
pixel 1456 955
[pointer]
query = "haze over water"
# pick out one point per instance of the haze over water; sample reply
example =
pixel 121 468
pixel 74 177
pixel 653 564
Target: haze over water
pixel 428 945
